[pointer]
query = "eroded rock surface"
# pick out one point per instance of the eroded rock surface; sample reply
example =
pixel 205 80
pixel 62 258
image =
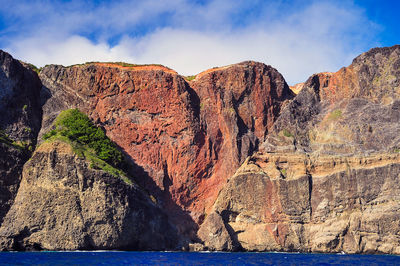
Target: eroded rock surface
pixel 187 138
pixel 312 204
pixel 19 124
pixel 238 104
pixel 235 159
pixel 326 179
pixel 63 204
pixel 355 110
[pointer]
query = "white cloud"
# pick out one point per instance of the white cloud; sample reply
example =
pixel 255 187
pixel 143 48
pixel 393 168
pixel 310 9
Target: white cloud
pixel 322 36
pixel 75 49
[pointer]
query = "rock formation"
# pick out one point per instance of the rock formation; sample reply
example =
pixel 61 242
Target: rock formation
pixel 19 124
pixel 232 159
pixel 64 204
pixel 327 177
pixel 186 138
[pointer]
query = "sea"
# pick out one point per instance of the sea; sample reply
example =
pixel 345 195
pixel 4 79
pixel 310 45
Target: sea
pixel 190 258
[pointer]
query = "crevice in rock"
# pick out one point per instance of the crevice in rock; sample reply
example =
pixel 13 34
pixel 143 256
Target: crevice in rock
pixel 237 246
pixel 310 189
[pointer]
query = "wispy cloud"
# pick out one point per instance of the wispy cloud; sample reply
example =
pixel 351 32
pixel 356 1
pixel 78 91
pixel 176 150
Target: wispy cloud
pixel 296 38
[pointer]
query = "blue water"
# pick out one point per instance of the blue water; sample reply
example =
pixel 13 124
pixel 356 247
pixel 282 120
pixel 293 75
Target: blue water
pixel 186 258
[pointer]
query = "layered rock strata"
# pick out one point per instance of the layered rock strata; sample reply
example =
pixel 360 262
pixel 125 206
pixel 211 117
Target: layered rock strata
pixel 64 204
pixel 236 160
pixel 326 179
pixel 19 124
pixel 186 138
pixel 311 204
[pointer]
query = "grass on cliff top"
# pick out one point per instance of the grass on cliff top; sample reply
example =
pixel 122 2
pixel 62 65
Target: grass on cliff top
pixel 88 141
pixel 189 78
pixel 35 68
pixel 123 64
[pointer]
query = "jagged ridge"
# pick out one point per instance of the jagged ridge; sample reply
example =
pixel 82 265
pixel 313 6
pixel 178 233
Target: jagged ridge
pixel 327 177
pixel 325 174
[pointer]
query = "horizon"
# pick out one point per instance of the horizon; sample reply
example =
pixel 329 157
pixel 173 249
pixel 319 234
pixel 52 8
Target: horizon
pixel 296 38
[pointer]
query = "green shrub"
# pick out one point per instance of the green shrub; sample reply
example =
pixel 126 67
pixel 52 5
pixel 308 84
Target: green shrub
pixel 4 138
pixel 77 127
pixel 283 172
pixel 189 78
pixel 49 134
pixel 88 141
pixel 231 110
pixel 21 145
pixel 34 68
pixel 287 133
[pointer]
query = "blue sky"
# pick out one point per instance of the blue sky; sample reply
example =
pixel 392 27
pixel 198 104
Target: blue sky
pixel 298 38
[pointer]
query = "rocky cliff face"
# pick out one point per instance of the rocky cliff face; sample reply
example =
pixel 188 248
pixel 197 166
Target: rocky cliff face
pixel 324 204
pixel 238 104
pixel 19 124
pixel 19 100
pixel 63 204
pixel 185 138
pixel 327 177
pixel 234 157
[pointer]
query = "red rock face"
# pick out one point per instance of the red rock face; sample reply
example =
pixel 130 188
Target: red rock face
pixel 185 138
pixel 237 106
pixel 371 75
pixel 326 177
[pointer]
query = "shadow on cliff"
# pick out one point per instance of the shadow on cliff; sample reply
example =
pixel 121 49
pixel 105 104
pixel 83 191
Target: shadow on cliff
pixel 181 219
pixel 178 218
pixel 22 113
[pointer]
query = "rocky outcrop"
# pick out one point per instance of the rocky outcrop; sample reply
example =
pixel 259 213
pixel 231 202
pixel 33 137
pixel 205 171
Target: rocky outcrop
pixel 186 138
pixel 354 110
pixel 12 159
pixel 215 234
pixel 19 100
pixel 63 204
pixel 233 156
pixel 326 179
pixel 279 202
pixel 238 104
pixel 19 124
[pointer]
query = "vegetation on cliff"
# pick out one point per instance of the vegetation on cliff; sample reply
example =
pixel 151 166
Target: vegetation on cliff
pixel 122 64
pixel 189 78
pixel 5 139
pixel 88 141
pixel 20 145
pixel 34 68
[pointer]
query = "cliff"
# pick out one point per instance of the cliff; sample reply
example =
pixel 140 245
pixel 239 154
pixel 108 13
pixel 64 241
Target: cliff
pixel 75 194
pixel 65 204
pixel 19 124
pixel 185 139
pixel 231 159
pixel 326 179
